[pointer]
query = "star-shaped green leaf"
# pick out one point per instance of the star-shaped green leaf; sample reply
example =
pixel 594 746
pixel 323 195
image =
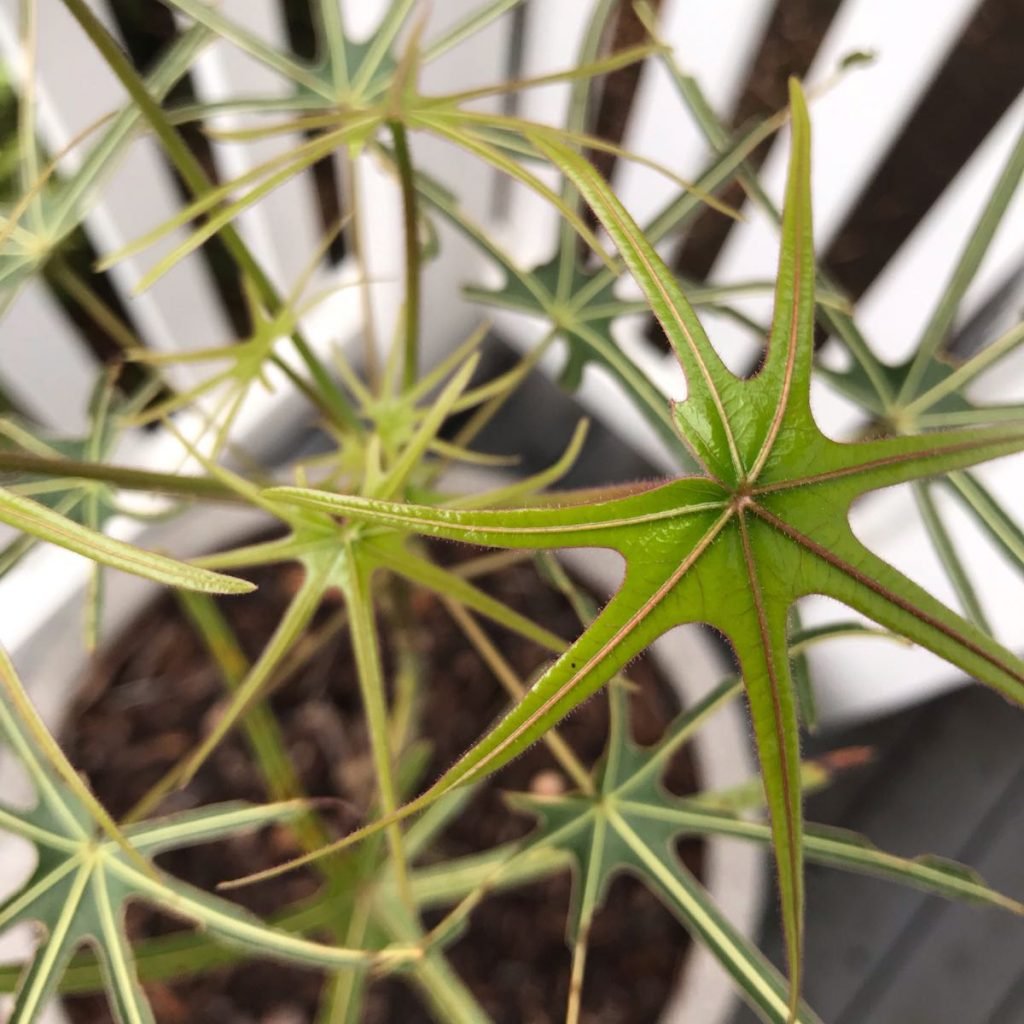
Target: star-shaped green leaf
pixel 87 871
pixel 631 822
pixel 627 825
pixel 735 547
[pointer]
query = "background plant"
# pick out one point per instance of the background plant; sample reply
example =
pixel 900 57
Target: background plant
pixel 767 505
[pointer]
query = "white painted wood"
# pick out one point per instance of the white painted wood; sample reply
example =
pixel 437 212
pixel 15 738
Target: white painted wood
pixel 182 310
pixel 284 228
pixel 554 32
pixel 854 125
pixel 44 366
pixel 660 128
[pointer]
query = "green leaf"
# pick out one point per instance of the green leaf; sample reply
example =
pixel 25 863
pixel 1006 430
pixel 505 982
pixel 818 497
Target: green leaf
pixel 631 824
pixel 611 832
pixel 84 877
pixel 765 524
pixel 847 851
pixel 37 520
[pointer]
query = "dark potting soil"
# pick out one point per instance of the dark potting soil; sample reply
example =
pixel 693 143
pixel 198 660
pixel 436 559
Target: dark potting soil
pixel 151 697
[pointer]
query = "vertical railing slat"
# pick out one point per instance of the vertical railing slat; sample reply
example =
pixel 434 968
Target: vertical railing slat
pixel 283 229
pixel 43 364
pixel 660 128
pixel 182 310
pixel 854 124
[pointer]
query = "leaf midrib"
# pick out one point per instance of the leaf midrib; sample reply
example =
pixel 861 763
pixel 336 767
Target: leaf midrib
pixel 824 554
pixel 656 866
pixel 896 459
pixel 55 944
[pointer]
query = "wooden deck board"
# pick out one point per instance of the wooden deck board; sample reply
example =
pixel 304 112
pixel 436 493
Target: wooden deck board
pixel 948 778
pixel 955 962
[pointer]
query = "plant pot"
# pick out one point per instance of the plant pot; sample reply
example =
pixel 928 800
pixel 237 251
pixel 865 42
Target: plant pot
pixel 52 661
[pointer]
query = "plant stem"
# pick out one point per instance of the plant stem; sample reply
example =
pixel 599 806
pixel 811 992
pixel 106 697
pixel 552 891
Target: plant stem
pixel 261 729
pixel 93 305
pixel 406 176
pixel 944 547
pixel 289 629
pixel 366 647
pixel 409 669
pixel 125 477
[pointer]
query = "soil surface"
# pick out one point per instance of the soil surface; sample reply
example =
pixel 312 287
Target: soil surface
pixel 150 698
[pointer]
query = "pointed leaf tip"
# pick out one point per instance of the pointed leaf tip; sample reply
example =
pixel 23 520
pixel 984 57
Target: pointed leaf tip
pixel 39 521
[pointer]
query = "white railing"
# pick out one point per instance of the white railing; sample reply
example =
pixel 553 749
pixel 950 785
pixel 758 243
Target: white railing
pixel 46 368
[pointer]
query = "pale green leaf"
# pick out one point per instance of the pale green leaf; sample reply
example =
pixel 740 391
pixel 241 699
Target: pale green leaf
pixel 37 520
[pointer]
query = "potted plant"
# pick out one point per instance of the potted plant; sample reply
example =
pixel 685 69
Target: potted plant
pixel 757 520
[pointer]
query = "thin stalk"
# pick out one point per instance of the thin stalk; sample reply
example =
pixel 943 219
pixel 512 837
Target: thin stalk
pixel 380 42
pixel 291 626
pixel 125 477
pixel 409 667
pixel 352 910
pixel 487 412
pixel 582 72
pixel 343 997
pixel 576 120
pixel 806 701
pixel 718 138
pixel 990 514
pixel 366 648
pixel 342 874
pixel 579 965
pixel 329 21
pixel 12 216
pixel 27 142
pixel 965 373
pixel 101 314
pixel 315 398
pixel 984 415
pixel 513 686
pixel 946 550
pixel 473 23
pixel 411 331
pixel 259 725
pixel 492 562
pixel 967 265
